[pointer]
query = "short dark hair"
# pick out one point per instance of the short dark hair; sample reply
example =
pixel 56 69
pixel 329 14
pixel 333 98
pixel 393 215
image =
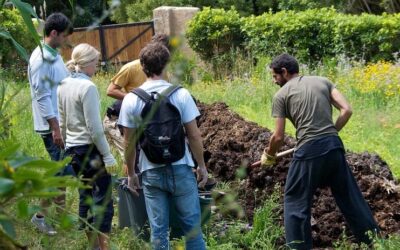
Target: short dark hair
pixel 154 58
pixel 58 22
pixel 285 61
pixel 161 38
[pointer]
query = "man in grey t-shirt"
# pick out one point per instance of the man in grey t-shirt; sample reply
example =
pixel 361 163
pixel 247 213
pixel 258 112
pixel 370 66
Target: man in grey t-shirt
pixel 319 159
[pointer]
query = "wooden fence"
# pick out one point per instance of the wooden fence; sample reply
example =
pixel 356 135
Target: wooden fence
pixel 119 43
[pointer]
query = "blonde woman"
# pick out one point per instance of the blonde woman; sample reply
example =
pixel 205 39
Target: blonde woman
pixel 82 131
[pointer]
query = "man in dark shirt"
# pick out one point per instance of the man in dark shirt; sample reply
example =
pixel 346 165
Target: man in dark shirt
pixel 319 158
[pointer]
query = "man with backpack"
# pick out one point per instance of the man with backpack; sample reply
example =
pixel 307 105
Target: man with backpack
pixel 130 76
pixel 158 115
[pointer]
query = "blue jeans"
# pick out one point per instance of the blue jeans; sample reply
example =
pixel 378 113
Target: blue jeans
pixel 56 154
pixel 173 186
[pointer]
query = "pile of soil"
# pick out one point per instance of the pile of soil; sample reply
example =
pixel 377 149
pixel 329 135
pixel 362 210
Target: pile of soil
pixel 231 143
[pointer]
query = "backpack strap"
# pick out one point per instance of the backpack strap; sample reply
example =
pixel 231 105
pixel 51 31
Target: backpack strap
pixel 170 90
pixel 142 94
pixel 146 97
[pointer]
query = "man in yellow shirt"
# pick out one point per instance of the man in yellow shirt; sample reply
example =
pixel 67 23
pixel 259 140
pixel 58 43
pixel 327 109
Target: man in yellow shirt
pixel 130 76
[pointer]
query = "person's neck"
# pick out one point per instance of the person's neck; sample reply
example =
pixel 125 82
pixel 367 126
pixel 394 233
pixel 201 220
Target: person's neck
pixel 290 77
pixel 83 71
pixel 155 77
pixel 49 42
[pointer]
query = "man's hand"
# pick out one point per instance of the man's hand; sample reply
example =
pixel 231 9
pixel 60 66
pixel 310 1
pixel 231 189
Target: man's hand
pixel 56 132
pixel 109 160
pixel 133 184
pixel 267 160
pixel 57 138
pixel 202 176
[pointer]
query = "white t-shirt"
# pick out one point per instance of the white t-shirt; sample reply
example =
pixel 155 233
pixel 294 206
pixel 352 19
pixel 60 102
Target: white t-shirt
pixel 45 72
pixel 132 107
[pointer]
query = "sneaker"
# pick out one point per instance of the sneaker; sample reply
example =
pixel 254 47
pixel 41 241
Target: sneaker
pixel 42 226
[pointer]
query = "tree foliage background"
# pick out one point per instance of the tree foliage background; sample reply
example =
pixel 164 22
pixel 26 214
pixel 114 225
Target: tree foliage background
pixel 85 12
pixel 141 10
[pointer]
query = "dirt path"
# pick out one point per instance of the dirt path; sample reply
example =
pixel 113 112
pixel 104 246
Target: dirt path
pixel 232 142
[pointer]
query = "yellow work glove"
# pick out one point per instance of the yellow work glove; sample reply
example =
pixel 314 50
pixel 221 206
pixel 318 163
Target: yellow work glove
pixel 267 160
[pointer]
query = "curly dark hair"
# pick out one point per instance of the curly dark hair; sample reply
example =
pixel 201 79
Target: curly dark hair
pixel 285 61
pixel 58 22
pixel 153 58
pixel 161 38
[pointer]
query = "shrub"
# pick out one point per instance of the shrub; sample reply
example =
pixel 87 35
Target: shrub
pixel 312 35
pixel 12 22
pixel 368 37
pixel 322 33
pixel 308 34
pixel 215 32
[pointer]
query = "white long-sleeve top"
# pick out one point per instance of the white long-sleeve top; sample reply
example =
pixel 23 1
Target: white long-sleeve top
pixel 79 110
pixel 45 71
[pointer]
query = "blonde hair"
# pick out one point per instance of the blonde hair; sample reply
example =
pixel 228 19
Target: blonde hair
pixel 82 55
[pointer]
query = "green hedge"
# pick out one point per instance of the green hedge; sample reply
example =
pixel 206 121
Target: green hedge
pixel 307 34
pixel 311 35
pixel 370 37
pixel 14 24
pixel 215 32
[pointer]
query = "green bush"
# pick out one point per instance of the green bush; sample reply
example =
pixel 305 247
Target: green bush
pixel 214 32
pixel 12 22
pixel 323 33
pixel 368 37
pixel 308 34
pixel 312 35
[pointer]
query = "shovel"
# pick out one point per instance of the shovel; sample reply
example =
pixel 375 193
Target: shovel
pixel 278 155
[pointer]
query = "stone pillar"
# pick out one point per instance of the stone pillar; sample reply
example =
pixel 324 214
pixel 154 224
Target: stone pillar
pixel 173 22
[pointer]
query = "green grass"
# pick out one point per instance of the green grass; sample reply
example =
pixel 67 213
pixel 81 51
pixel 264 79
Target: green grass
pixel 372 128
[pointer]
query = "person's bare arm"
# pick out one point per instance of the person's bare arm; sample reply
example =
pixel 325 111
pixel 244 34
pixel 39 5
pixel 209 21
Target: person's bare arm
pixel 340 102
pixel 196 146
pixel 56 132
pixel 115 91
pixel 277 137
pixel 130 157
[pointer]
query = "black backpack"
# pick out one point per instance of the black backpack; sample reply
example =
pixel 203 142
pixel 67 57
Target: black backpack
pixel 162 135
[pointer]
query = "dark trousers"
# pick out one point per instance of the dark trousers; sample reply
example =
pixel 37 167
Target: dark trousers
pixel 87 163
pixel 304 177
pixel 56 154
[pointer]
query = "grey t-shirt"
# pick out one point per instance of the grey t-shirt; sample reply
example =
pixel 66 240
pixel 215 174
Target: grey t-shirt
pixel 306 102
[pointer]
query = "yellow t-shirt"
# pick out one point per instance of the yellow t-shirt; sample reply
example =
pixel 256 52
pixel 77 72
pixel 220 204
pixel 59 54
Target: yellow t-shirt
pixel 130 76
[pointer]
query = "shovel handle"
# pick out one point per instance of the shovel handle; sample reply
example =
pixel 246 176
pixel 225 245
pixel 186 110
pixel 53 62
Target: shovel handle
pixel 278 155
